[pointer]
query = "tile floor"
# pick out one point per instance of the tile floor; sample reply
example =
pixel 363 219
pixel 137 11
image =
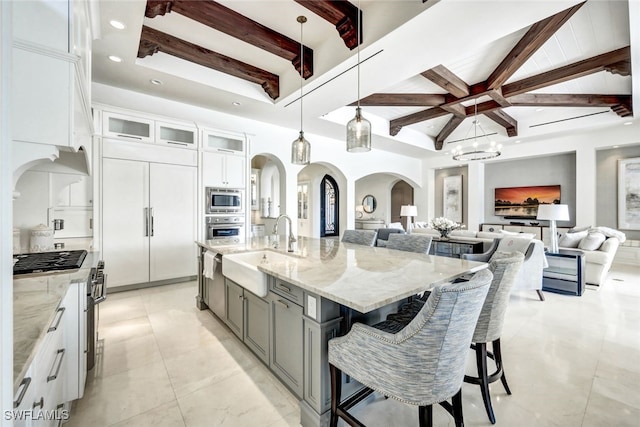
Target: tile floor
pixel 570 361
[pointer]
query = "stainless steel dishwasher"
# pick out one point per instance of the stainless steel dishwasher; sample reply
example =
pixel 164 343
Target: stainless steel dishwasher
pixel 214 290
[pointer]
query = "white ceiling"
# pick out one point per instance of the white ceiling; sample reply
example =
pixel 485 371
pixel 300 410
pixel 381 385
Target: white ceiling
pixel 401 39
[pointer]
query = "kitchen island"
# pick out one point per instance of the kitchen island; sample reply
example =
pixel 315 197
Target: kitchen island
pixel 314 294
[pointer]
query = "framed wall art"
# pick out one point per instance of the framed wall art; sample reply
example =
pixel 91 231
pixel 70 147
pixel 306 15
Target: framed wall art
pixel 629 194
pixel 452 198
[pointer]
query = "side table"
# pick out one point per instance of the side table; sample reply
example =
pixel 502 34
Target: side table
pixel 454 248
pixel 565 273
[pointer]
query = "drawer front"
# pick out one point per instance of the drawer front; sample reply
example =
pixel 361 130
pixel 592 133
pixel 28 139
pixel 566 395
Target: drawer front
pixel 287 290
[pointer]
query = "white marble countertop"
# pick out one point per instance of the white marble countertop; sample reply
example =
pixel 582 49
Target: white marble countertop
pixel 35 299
pixel 360 277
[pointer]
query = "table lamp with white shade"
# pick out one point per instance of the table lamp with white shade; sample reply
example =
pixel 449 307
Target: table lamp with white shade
pixel 410 212
pixel 553 213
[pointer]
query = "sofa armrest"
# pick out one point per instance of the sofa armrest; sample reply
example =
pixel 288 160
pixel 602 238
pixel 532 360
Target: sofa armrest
pixel 610 245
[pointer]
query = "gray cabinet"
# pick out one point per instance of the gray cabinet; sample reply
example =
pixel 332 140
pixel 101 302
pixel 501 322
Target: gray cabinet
pixel 287 342
pixel 256 325
pixel 247 315
pixel 234 297
pixel 317 382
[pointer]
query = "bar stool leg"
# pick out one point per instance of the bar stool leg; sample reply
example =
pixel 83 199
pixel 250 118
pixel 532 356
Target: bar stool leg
pixel 497 352
pixel 336 391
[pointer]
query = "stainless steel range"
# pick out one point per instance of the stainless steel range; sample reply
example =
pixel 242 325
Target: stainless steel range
pixel 41 262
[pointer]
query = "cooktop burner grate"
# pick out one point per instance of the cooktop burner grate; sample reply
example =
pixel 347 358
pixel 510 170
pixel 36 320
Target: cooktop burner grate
pixel 39 262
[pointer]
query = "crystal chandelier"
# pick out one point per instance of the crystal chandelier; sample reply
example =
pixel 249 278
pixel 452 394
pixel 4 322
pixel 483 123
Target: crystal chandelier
pixel 476 153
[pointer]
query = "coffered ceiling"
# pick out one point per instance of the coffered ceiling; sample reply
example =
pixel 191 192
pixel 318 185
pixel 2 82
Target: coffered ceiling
pixel 530 68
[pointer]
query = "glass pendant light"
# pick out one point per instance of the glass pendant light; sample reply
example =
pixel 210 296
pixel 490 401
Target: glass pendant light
pixel 358 128
pixel 300 148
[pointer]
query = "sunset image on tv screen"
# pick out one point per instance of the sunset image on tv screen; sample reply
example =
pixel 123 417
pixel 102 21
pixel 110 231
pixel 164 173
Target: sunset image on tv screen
pixel 524 201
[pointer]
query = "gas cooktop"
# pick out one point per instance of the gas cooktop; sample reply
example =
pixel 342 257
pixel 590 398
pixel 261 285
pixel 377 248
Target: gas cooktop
pixel 40 262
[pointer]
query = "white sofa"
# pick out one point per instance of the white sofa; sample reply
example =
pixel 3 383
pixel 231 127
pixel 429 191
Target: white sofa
pixel 599 245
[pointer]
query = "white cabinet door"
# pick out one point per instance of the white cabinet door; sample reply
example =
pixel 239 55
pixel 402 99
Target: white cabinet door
pixel 173 201
pixel 213 165
pixel 125 198
pixel 223 170
pixel 235 172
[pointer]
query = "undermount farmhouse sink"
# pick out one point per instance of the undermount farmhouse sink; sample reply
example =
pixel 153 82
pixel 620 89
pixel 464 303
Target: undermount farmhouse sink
pixel 242 268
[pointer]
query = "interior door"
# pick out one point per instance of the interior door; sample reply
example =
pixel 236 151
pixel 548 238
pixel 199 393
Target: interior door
pixel 172 200
pixel 401 194
pixel 125 245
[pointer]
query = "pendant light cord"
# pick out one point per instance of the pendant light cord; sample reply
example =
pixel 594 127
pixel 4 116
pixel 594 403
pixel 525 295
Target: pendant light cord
pixel 301 68
pixel 358 53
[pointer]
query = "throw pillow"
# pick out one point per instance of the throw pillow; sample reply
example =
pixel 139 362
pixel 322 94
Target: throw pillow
pixel 513 244
pixel 579 229
pixel 396 225
pixel 593 241
pixel 420 224
pixel 572 240
pixel 610 232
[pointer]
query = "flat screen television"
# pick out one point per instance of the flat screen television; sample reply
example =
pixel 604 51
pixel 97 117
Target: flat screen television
pixel 522 202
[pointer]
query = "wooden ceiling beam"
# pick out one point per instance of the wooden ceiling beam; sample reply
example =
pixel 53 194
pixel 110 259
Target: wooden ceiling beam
pixel 396 124
pixel 401 100
pixel 447 80
pixel 568 72
pixel 506 121
pixel 232 23
pixel 536 36
pixel 451 125
pixel 340 13
pixel 620 104
pixel 152 41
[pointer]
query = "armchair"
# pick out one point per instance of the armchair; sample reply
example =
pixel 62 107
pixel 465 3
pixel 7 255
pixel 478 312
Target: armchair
pixel 530 275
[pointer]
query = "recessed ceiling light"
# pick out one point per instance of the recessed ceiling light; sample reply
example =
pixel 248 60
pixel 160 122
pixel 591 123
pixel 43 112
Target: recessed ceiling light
pixel 236 103
pixel 117 24
pixel 627 123
pixel 539 109
pixel 518 141
pixel 115 58
pixel 155 82
pixel 615 146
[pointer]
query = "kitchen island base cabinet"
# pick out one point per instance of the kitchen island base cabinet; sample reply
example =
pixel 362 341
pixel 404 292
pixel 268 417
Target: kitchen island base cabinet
pixel 247 315
pixel 287 342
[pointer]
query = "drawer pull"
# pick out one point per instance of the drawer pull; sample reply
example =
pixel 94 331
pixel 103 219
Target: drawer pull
pixel 39 403
pixel 57 370
pixel 283 303
pixel 286 288
pixel 26 381
pixel 59 312
pixel 129 136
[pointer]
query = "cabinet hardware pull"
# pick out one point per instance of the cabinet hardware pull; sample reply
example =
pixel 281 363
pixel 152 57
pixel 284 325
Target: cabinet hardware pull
pixel 146 222
pixel 283 303
pixel 151 222
pixel 240 297
pixel 54 376
pixel 286 288
pixel 129 136
pixel 40 403
pixel 26 381
pixel 184 144
pixel 224 150
pixel 57 323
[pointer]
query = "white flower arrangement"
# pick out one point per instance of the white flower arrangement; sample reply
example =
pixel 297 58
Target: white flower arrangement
pixel 444 224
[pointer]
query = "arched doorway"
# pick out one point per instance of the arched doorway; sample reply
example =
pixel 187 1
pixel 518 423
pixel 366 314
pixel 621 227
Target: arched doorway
pixel 401 194
pixel 329 209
